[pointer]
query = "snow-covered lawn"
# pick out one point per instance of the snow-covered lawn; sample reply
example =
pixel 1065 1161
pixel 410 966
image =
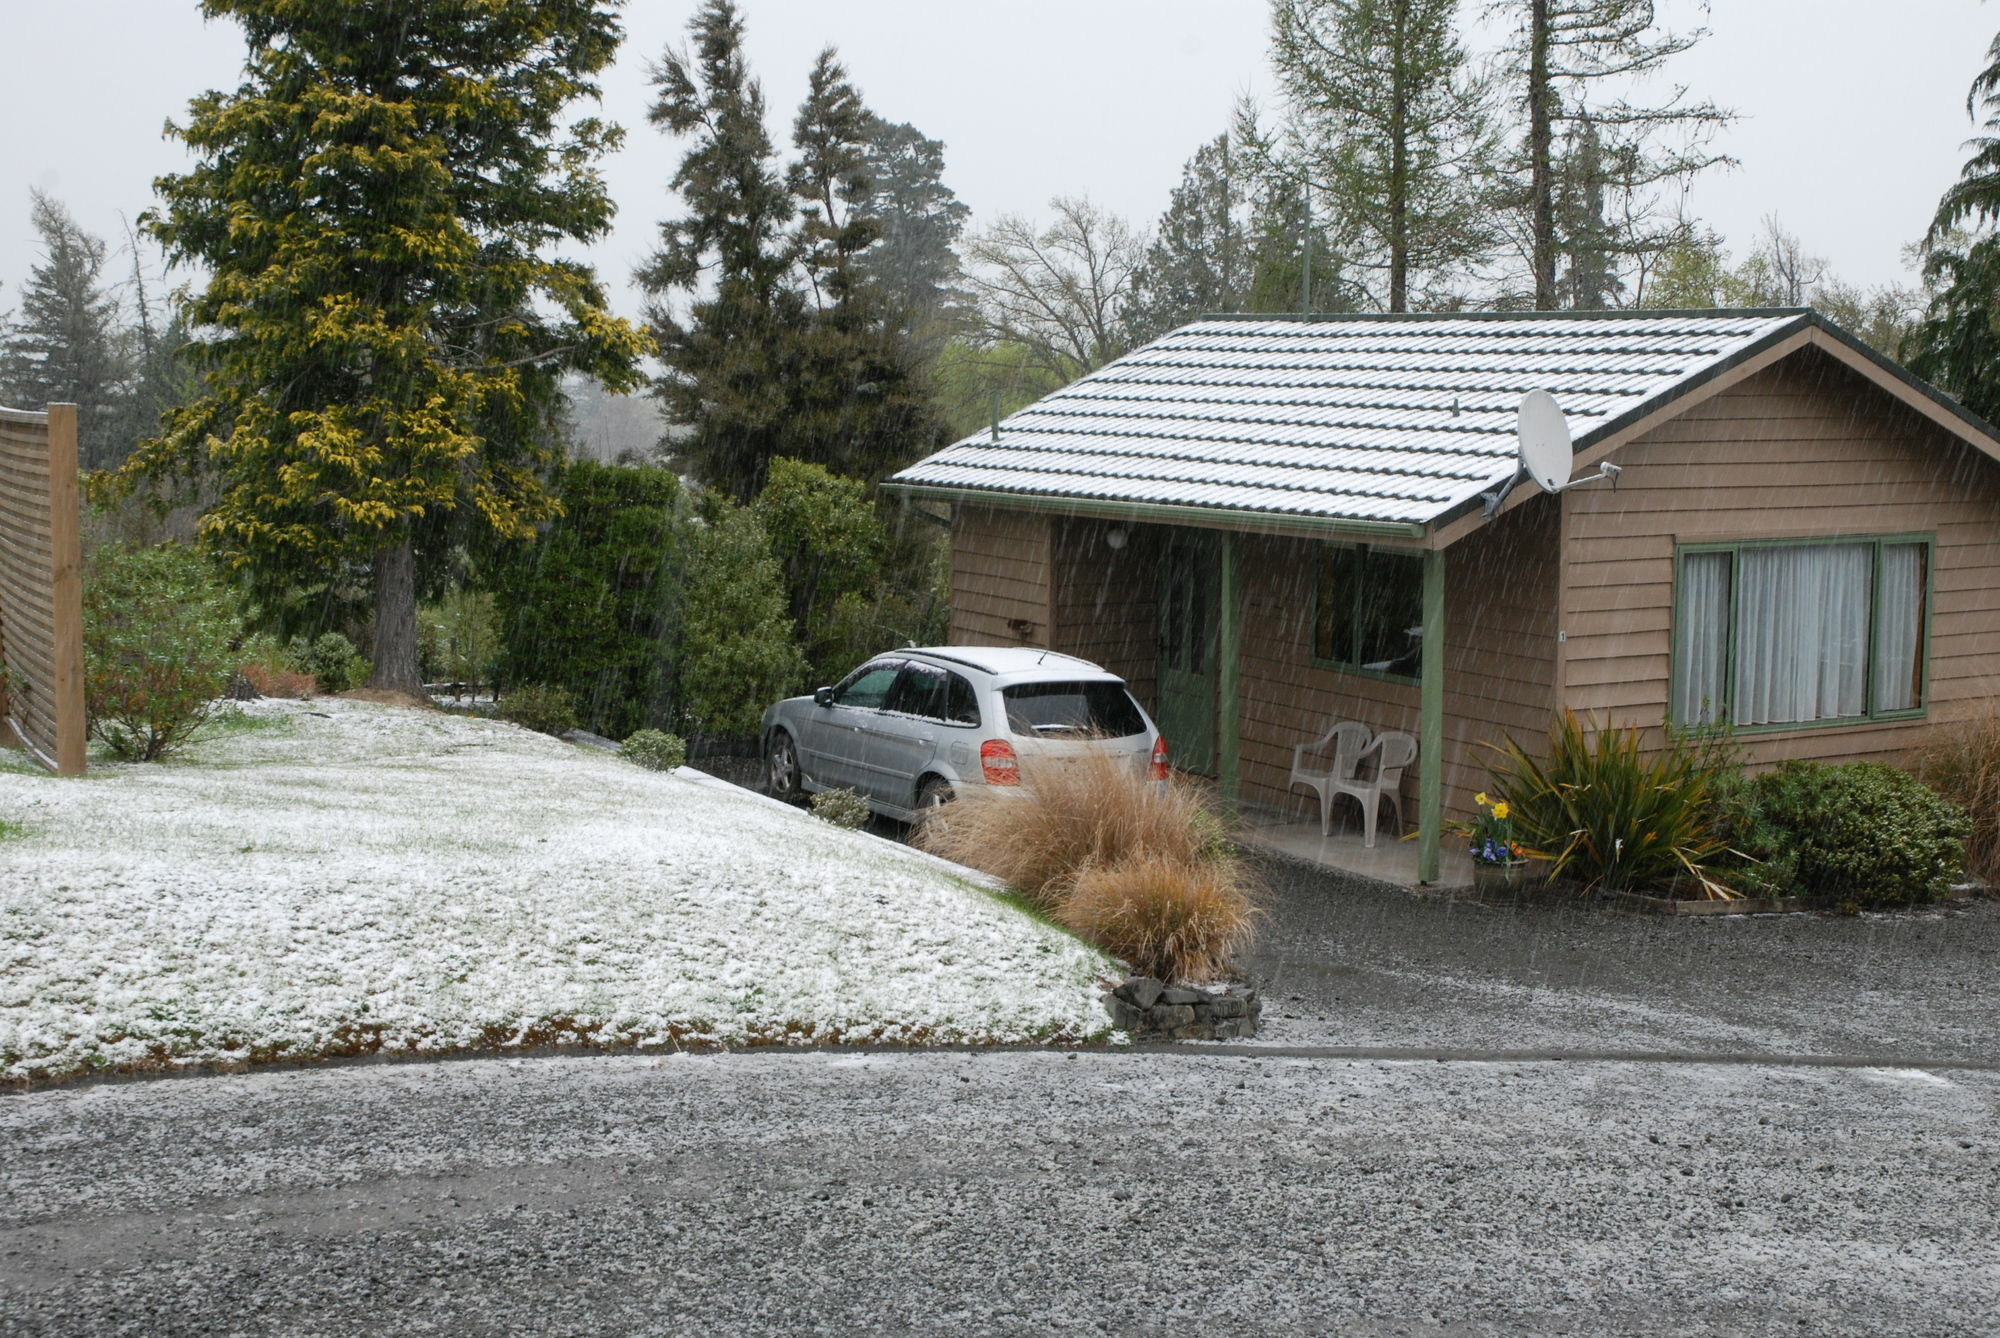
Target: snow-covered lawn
pixel 336 877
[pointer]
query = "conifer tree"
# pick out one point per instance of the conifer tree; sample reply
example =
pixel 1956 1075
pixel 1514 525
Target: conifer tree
pixel 65 345
pixel 1563 58
pixel 730 261
pixel 1200 256
pixel 1390 127
pixel 914 260
pixel 374 205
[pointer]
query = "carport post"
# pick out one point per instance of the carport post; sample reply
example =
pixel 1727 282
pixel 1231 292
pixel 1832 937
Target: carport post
pixel 1229 672
pixel 1430 721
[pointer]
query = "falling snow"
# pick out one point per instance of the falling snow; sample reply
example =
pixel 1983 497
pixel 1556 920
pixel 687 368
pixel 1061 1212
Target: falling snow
pixel 334 877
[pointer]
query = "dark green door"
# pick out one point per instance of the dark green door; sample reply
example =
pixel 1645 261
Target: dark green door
pixel 1188 597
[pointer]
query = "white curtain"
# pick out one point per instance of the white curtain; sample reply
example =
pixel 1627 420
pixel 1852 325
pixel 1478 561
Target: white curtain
pixel 1802 633
pixel 1701 639
pixel 1899 624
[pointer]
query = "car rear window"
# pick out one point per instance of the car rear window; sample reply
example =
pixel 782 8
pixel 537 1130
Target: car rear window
pixel 1073 708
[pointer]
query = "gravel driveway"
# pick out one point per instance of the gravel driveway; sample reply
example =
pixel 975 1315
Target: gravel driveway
pixel 1014 1193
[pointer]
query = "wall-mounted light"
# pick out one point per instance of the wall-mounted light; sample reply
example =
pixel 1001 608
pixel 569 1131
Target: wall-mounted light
pixel 1115 537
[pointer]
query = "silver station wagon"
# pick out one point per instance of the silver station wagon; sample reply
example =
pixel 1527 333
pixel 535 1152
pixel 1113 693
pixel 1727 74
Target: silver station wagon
pixel 909 730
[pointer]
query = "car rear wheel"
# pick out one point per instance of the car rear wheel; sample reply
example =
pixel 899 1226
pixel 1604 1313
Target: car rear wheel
pixel 935 792
pixel 781 771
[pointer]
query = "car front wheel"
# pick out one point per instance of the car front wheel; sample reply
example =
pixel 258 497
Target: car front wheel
pixel 782 766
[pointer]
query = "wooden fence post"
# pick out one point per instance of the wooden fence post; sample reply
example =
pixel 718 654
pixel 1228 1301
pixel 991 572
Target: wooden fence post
pixel 66 561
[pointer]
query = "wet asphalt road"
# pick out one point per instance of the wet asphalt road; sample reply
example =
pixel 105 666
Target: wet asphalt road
pixel 1269 1189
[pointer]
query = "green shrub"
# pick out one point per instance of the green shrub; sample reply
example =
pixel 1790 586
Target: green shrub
pixel 1863 833
pixel 458 637
pixel 654 750
pixel 331 659
pixel 537 706
pixel 158 627
pixel 1758 859
pixel 593 605
pixel 1607 814
pixel 1961 761
pixel 842 808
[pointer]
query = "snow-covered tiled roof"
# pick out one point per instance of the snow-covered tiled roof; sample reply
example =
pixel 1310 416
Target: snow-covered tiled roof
pixel 1396 419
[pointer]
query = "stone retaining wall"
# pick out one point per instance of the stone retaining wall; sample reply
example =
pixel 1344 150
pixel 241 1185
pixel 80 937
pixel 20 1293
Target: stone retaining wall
pixel 1153 1010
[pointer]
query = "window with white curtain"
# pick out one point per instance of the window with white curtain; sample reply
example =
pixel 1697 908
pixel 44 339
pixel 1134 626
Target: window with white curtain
pixel 1779 634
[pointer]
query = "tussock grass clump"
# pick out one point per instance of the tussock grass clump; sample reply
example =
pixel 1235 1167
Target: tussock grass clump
pixel 1144 870
pixel 1961 761
pixel 1067 816
pixel 1169 918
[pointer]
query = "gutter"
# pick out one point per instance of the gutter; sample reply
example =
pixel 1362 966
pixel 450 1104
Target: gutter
pixel 1256 522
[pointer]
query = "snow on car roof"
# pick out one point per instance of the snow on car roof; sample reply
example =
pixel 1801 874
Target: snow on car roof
pixel 1012 661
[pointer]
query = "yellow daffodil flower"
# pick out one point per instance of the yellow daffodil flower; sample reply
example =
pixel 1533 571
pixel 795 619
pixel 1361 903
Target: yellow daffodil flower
pixel 1501 810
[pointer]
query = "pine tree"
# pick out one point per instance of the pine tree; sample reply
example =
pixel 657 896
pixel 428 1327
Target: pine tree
pixel 918 219
pixel 1200 257
pixel 1391 129
pixel 860 408
pixel 65 345
pixel 730 259
pixel 1561 58
pixel 1588 279
pixel 1957 343
pixel 372 205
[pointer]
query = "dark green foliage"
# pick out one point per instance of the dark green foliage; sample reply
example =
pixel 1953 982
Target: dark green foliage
pixel 1200 259
pixel 1608 814
pixel 540 707
pixel 331 659
pixel 654 750
pixel 828 542
pixel 1861 833
pixel 731 356
pixel 914 262
pixel 385 327
pixel 64 345
pixel 736 655
pixel 157 637
pixel 592 606
pixel 1956 346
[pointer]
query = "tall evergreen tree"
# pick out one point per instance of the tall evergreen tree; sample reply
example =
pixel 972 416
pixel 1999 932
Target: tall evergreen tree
pixel 373 205
pixel 65 344
pixel 1587 278
pixel 730 259
pixel 859 406
pixel 1389 124
pixel 1957 343
pixel 1200 257
pixel 1563 58
pixel 915 256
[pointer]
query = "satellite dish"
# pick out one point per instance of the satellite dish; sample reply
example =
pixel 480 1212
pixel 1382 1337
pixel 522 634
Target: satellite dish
pixel 1543 435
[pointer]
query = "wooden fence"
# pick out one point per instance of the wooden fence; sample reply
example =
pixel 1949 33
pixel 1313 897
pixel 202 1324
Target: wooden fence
pixel 41 587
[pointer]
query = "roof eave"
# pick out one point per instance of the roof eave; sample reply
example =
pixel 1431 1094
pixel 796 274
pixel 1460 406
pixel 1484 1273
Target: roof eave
pixel 1257 522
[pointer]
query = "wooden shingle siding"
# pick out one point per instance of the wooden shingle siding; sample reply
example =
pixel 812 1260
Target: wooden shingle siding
pixel 1803 449
pixel 1000 574
pixel 1105 600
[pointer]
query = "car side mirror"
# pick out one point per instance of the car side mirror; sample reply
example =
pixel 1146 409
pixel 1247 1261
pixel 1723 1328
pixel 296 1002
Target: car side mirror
pixel 823 697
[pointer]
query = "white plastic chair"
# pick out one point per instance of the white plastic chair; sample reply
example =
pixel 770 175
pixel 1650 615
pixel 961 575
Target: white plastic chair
pixel 1392 751
pixel 1327 761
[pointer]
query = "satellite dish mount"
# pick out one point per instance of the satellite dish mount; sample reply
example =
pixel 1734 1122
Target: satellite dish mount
pixel 1546 452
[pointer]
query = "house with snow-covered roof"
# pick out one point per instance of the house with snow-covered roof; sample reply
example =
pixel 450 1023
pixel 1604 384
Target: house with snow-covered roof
pixel 1271 524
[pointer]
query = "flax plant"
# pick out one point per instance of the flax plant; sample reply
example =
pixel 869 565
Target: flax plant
pixel 1609 813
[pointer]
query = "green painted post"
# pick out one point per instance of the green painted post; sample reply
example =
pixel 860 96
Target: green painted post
pixel 1229 673
pixel 1430 722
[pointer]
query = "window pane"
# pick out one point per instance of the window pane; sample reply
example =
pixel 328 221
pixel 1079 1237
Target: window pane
pixel 919 692
pixel 868 686
pixel 963 707
pixel 1370 609
pixel 1802 632
pixel 1701 639
pixel 1899 629
pixel 1072 708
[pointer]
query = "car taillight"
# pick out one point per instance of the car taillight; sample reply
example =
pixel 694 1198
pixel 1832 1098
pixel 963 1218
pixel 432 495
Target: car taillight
pixel 1158 771
pixel 997 761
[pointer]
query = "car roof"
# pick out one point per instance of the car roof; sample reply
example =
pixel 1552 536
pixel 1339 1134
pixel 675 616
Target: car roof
pixel 1012 661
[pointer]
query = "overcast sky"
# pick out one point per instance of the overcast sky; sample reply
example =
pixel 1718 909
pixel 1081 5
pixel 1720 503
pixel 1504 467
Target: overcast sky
pixel 1853 111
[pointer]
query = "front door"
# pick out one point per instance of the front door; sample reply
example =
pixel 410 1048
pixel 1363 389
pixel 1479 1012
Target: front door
pixel 1189 593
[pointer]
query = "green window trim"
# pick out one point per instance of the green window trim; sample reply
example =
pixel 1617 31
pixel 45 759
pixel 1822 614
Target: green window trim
pixel 1731 663
pixel 1323 554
